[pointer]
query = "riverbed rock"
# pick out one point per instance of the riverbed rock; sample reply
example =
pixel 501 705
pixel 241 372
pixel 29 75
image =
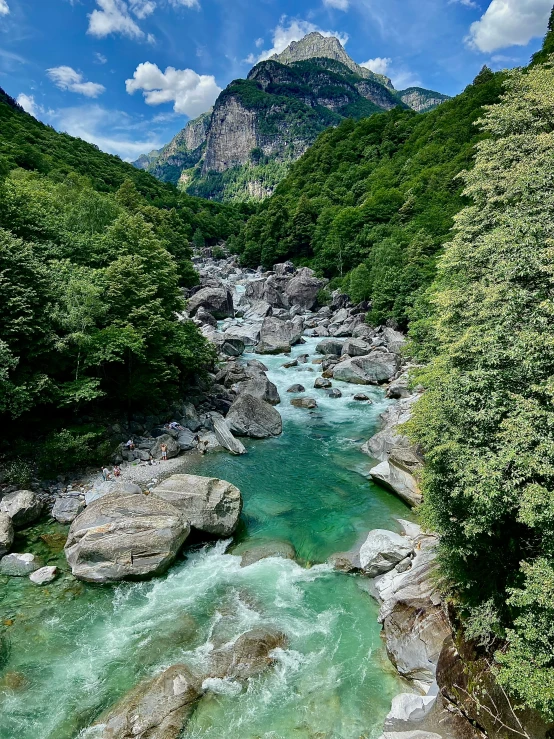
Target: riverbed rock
pixel 382 550
pixel 250 416
pixel 158 708
pixel 399 472
pixel 248 656
pixel 356 347
pixel 398 388
pixel 330 346
pixel 6 534
pixel 44 575
pixel 389 437
pixel 308 403
pixel 322 383
pixel 173 446
pixel 372 369
pixel 296 389
pixel 303 288
pixel 362 397
pixel 334 392
pixel 125 536
pixel 186 440
pixel 66 510
pixel 261 387
pixel 111 487
pixel 277 336
pixel 394 340
pixel 207 503
pixel 253 552
pixel 225 437
pixel 19 565
pixel 22 506
pixel 215 300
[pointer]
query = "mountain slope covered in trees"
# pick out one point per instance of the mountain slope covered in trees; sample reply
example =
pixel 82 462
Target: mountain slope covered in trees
pixel 371 203
pixel 92 257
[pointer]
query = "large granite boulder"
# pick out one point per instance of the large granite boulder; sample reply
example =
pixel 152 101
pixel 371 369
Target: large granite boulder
pixel 66 510
pixel 373 369
pixel 330 346
pixel 215 300
pixel 303 288
pixel 277 336
pixel 207 503
pixel 6 534
pixel 260 387
pixel 399 474
pixel 389 437
pixel 248 332
pixel 225 437
pixel 356 348
pixel 173 446
pixel 394 340
pixel 250 416
pixel 23 507
pixel 125 536
pixel 382 550
pixel 158 708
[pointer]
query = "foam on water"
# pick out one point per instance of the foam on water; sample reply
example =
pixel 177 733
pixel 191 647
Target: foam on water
pixel 75 649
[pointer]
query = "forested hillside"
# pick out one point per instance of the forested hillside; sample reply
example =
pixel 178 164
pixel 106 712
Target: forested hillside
pixel 372 201
pixel 92 257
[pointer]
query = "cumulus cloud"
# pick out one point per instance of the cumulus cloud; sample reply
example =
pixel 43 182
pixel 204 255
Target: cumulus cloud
pixel 111 130
pixel 66 78
pixel 338 4
pixel 113 17
pixel 509 23
pixel 4 7
pixel 185 3
pixel 296 29
pixel 190 93
pixel 29 104
pixel 379 65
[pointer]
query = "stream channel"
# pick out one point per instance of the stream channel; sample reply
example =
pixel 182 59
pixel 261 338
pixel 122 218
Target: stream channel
pixel 71 649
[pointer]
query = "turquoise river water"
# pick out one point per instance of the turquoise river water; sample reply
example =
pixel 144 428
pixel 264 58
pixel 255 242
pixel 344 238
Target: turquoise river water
pixel 70 650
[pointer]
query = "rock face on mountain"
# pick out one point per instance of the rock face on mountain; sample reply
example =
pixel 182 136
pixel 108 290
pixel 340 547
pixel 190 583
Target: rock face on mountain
pixel 272 117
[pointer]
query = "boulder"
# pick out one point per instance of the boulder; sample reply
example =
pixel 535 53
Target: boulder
pixel 44 575
pixel 394 340
pixel 363 331
pixel 355 348
pixel 111 487
pixel 173 446
pixel 203 316
pixel 158 708
pixel 334 393
pixel 255 551
pixel 322 383
pixel 296 389
pixel 277 336
pixel 247 332
pixel 248 656
pixel 260 387
pixel 304 403
pixel 284 268
pixel 186 440
pixel 257 311
pixel 66 510
pixel 382 550
pixel 329 346
pixel 19 565
pixel 373 369
pixel 256 364
pixel 125 536
pixel 225 437
pixel 231 346
pixel 207 503
pixel 362 397
pixel 398 473
pixel 215 300
pixel 22 506
pixel 6 534
pixel 250 416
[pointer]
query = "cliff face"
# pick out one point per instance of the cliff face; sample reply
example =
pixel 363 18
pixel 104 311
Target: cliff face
pixel 242 149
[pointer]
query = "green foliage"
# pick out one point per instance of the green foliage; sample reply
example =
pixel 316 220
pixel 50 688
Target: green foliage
pixel 377 197
pixel 67 450
pixel 486 420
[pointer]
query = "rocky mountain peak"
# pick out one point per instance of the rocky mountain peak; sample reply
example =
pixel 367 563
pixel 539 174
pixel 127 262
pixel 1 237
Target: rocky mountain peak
pixel 314 46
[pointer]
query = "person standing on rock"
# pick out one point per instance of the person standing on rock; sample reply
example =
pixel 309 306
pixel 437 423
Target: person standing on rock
pixel 105 473
pixel 117 471
pixel 163 449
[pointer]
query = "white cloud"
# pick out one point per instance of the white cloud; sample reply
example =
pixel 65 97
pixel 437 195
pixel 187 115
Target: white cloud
pixel 66 78
pixel 259 43
pixel 379 65
pixel 142 8
pixel 191 93
pixel 296 29
pixel 509 23
pixel 100 58
pixel 185 3
pixel 113 17
pixel 338 4
pixel 28 104
pixel 4 7
pixel 466 3
pixel 111 130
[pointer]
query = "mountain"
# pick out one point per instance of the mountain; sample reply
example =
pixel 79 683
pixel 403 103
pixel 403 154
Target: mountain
pixel 259 126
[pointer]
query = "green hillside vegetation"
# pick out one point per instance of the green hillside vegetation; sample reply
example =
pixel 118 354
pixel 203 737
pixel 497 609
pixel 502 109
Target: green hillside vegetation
pixel 372 202
pixel 486 420
pixel 92 257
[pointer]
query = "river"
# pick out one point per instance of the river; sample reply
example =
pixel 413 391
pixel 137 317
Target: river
pixel 72 649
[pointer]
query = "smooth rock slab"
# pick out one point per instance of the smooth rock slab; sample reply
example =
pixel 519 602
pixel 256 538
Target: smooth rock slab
pixel 382 550
pixel 23 507
pixel 125 536
pixel 6 534
pixel 44 575
pixel 207 503
pixel 250 416
pixel 19 565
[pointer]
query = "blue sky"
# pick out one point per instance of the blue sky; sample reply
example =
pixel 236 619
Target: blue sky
pixel 98 69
